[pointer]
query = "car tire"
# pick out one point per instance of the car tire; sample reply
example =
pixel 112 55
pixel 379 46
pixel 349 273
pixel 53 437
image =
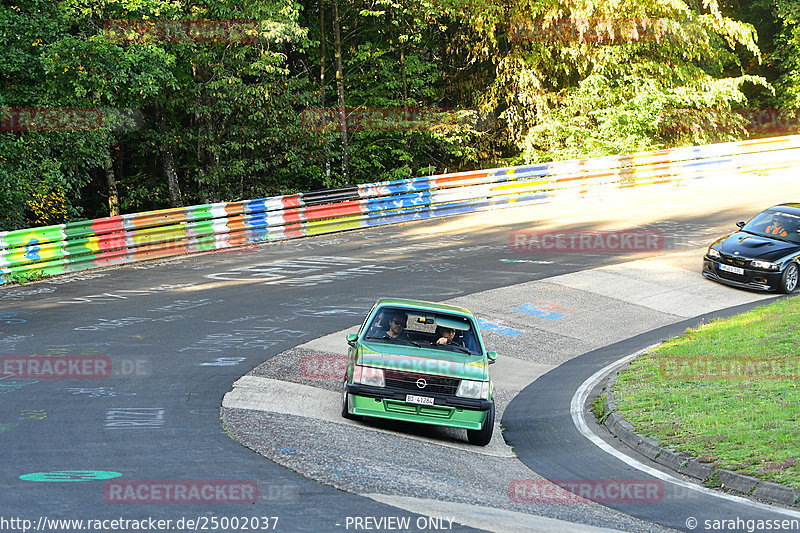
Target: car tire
pixel 789 279
pixel 482 437
pixel 346 403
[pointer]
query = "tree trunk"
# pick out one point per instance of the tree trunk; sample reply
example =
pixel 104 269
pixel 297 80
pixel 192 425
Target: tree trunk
pixel 405 79
pixel 168 161
pixel 337 44
pixel 202 180
pixel 215 197
pixel 168 165
pixel 113 198
pixel 322 82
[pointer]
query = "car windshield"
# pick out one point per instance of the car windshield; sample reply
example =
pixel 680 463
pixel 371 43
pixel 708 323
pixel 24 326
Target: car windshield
pixel 775 224
pixel 427 329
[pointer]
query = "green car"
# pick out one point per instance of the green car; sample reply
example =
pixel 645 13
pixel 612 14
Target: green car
pixel 420 362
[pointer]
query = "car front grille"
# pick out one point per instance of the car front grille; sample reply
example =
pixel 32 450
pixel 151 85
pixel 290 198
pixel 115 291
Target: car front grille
pixel 433 384
pixel 734 260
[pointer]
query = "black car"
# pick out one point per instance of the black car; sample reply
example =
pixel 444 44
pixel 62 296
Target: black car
pixel 764 254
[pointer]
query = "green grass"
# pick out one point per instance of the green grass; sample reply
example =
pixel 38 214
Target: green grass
pixel 726 392
pixel 25 277
pixel 599 407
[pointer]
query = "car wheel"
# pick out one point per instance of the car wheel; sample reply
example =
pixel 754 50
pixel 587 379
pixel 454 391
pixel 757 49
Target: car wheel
pixel 789 279
pixel 346 403
pixel 482 437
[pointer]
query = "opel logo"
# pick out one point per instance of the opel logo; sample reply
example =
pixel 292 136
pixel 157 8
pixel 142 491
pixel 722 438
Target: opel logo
pixel 421 383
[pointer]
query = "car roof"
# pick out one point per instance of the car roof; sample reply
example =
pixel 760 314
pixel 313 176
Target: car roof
pixel 421 305
pixel 791 207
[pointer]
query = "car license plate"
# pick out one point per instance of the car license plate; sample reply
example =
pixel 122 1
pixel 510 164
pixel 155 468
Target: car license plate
pixel 420 400
pixel 735 270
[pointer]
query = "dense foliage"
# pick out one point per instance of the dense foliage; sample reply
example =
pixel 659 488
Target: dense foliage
pixel 113 106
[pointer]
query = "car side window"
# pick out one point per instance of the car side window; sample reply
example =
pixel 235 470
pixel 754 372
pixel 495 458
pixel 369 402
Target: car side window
pixel 793 229
pixel 470 342
pixel 377 327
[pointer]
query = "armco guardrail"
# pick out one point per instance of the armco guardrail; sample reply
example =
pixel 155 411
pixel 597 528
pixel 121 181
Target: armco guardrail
pixel 45 251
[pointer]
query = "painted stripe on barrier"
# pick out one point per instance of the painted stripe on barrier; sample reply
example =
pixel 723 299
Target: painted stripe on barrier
pixel 138 236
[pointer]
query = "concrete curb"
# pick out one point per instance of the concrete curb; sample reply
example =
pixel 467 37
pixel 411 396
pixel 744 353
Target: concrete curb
pixel 709 474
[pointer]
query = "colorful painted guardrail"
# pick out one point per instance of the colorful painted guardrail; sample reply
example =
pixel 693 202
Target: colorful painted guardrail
pixel 45 251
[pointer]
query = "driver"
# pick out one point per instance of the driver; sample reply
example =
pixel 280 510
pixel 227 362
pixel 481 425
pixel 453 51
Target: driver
pixel 397 326
pixel 775 227
pixel 445 335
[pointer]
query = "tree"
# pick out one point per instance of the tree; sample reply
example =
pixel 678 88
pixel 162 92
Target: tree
pixel 63 104
pixel 576 79
pixel 787 54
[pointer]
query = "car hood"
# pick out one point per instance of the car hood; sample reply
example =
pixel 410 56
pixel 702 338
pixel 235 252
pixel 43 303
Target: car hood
pixel 423 361
pixel 755 247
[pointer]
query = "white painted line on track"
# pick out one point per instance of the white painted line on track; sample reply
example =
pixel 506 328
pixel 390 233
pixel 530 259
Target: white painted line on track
pixel 486 518
pixel 576 410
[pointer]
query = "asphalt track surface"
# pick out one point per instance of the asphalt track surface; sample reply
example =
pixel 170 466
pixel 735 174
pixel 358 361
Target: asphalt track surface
pixel 179 333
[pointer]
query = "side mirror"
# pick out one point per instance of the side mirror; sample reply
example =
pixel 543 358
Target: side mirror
pixel 351 338
pixel 492 356
pixel 740 224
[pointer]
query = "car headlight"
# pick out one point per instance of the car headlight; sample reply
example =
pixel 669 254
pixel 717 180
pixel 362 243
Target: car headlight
pixel 473 389
pixel 766 265
pixel 367 375
pixel 713 253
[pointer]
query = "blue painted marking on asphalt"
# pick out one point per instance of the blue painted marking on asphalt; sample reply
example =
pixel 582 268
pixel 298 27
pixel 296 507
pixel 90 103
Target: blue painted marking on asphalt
pixel 502 330
pixel 538 311
pixel 8 318
pixel 12 385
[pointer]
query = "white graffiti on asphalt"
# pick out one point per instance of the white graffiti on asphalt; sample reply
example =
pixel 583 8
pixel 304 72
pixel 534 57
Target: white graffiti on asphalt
pixel 306 272
pixel 258 337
